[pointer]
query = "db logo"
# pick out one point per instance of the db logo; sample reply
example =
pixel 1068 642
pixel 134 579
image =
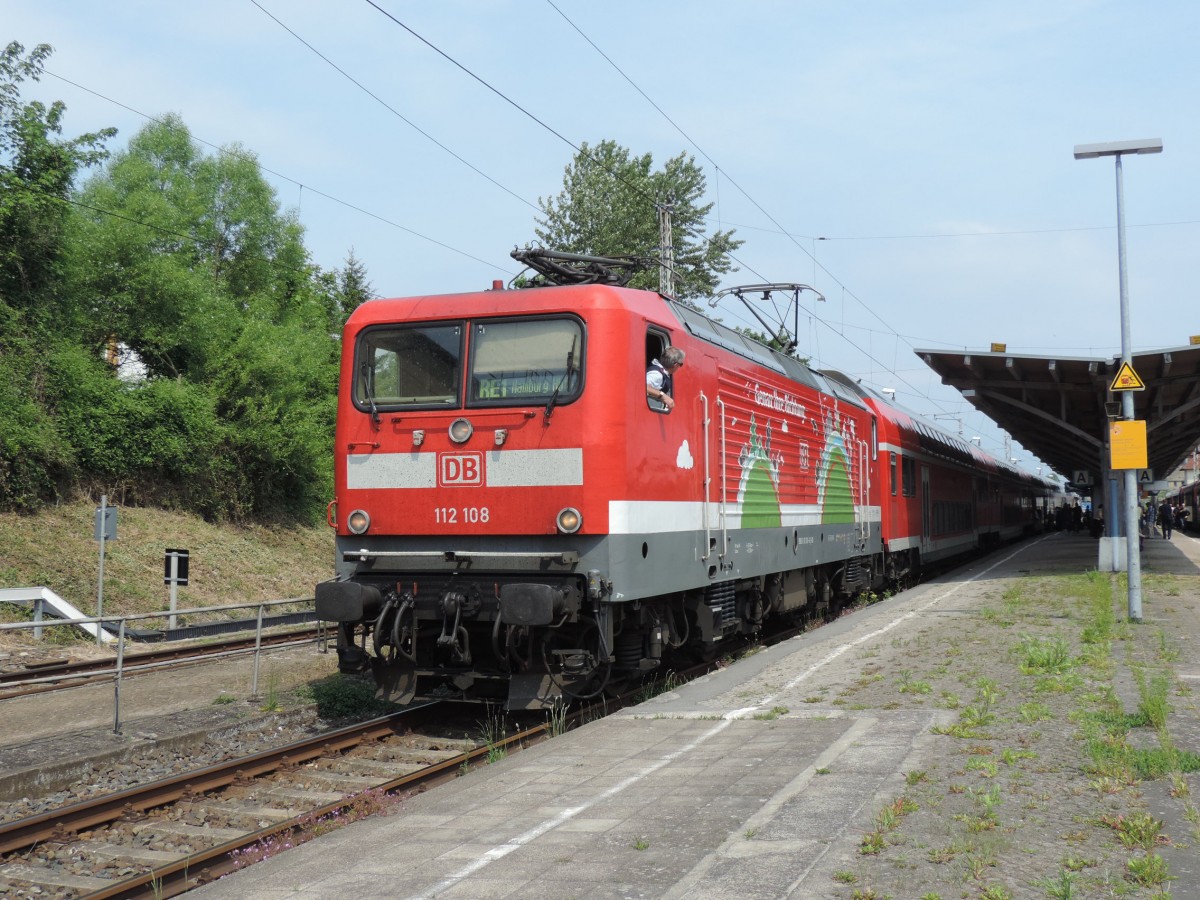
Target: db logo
pixel 460 469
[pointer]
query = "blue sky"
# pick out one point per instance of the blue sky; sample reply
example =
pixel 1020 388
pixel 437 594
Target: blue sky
pixel 918 155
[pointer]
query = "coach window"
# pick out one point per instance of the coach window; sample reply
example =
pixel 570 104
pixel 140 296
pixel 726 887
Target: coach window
pixel 521 361
pixel 413 366
pixel 909 471
pixel 893 472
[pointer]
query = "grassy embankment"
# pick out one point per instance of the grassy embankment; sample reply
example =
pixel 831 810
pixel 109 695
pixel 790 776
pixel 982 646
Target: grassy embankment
pixel 228 564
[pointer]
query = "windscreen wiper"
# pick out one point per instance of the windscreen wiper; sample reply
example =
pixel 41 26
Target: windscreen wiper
pixel 566 379
pixel 369 391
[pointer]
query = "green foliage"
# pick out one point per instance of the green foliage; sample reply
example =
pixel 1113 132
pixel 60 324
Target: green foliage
pixel 1153 705
pixel 36 172
pixel 184 266
pixel 1149 870
pixel 341 697
pixel 1044 655
pixel 770 715
pixel 33 457
pixel 608 207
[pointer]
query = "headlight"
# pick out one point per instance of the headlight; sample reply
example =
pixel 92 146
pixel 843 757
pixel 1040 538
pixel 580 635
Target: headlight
pixel 569 520
pixel 358 521
pixel 461 430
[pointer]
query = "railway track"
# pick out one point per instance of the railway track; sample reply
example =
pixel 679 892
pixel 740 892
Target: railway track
pixel 162 838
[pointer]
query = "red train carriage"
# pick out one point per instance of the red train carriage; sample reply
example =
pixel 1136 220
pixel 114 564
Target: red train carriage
pixel 942 496
pixel 1187 498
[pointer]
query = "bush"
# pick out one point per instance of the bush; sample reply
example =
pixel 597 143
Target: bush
pixel 343 697
pixel 35 460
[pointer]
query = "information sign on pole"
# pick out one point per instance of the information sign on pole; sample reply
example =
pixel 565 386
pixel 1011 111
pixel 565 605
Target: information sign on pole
pixel 106 521
pixel 175 566
pixel 1127 442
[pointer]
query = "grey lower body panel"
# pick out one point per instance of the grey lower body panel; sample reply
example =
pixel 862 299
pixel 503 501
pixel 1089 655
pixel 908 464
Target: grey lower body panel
pixel 638 566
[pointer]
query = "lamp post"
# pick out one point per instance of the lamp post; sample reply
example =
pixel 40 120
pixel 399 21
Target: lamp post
pixel 1117 149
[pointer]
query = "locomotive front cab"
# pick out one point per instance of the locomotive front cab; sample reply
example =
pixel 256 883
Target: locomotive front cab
pixel 466 547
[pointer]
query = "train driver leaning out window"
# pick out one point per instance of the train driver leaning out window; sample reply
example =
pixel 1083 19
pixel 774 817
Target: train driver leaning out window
pixel 659 377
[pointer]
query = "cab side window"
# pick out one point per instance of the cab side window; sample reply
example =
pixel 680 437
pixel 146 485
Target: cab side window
pixel 656 343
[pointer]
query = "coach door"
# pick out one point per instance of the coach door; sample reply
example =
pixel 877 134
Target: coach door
pixel 926 511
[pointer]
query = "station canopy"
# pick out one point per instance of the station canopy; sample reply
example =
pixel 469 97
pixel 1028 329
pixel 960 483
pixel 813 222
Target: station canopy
pixel 1059 407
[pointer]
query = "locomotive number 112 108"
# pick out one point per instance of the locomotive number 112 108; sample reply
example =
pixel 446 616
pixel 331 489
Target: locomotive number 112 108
pixel 465 515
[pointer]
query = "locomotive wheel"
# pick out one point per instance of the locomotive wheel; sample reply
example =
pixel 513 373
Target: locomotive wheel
pixel 574 660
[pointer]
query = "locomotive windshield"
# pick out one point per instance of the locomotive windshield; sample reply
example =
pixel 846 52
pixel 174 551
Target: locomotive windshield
pixel 511 362
pixel 525 361
pixel 409 366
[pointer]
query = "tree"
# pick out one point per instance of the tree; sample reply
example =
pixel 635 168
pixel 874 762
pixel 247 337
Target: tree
pixel 37 169
pixel 36 173
pixel 176 249
pixel 353 288
pixel 188 260
pixel 609 207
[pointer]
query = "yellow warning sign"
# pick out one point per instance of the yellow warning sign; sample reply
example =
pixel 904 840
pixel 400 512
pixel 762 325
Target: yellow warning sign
pixel 1127 380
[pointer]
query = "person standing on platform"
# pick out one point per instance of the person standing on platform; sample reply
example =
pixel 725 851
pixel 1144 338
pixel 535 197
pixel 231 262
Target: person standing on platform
pixel 1166 519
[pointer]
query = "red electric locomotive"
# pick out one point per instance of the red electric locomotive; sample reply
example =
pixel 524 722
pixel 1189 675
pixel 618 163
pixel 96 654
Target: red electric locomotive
pixel 518 519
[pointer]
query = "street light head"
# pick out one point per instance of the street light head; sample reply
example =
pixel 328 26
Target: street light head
pixel 1118 148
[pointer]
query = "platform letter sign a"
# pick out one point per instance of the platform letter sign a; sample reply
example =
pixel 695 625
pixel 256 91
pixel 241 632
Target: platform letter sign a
pixel 1127 441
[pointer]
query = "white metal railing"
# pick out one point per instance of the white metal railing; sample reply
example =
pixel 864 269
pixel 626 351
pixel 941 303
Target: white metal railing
pixel 118 669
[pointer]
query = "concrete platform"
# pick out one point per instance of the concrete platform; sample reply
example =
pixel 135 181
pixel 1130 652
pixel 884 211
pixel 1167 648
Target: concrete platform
pixel 662 800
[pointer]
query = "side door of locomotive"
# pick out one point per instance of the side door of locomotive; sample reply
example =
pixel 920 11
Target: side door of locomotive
pixel 702 446
pixel 712 472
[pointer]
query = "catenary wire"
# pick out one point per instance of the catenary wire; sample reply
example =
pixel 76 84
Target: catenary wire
pixel 304 187
pixel 756 204
pixel 816 263
pixel 362 87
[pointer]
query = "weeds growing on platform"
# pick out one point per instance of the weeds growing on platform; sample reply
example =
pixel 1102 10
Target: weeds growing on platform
pixel 973 813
